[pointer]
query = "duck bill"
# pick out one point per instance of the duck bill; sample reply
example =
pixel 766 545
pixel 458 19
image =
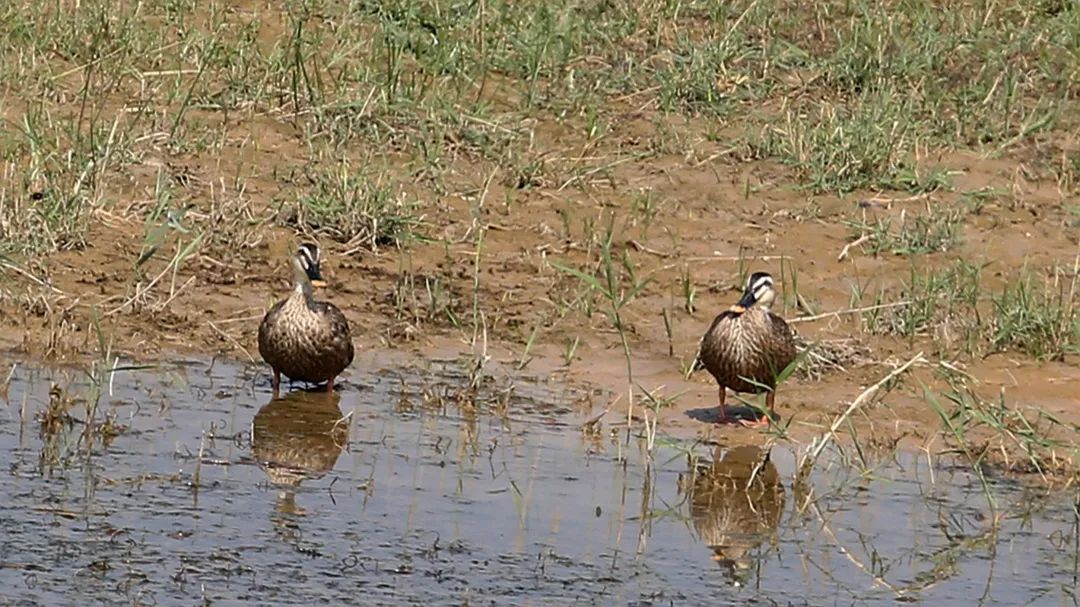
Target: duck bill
pixel 746 300
pixel 318 283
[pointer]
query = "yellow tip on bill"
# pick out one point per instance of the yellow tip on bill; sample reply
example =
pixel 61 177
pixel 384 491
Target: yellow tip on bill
pixel 318 284
pixel 737 309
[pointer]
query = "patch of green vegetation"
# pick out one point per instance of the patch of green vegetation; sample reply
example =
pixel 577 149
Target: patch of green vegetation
pixel 1037 319
pixel 352 208
pixel 850 95
pixel 842 148
pixel 615 279
pixel 953 306
pixel 993 433
pixel 930 299
pixel 976 200
pixel 56 175
pixel 879 82
pixel 935 231
pixel 421 299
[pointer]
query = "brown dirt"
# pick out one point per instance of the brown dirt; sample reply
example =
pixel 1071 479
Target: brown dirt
pixel 704 213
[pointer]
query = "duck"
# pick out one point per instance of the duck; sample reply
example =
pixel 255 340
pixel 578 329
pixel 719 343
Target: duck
pixel 747 346
pixel 304 339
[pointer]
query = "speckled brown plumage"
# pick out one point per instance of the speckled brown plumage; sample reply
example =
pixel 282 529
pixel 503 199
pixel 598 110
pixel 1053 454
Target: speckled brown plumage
pixel 747 346
pixel 755 344
pixel 306 340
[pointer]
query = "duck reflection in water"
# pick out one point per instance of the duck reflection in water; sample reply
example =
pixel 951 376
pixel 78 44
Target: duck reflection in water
pixel 735 505
pixel 298 437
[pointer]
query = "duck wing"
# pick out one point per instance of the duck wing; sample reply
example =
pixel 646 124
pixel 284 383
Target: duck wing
pixel 699 364
pixel 338 326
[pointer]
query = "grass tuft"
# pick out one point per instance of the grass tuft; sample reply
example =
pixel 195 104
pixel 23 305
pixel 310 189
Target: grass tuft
pixel 354 209
pixel 991 433
pixel 953 306
pixel 938 230
pixel 1039 320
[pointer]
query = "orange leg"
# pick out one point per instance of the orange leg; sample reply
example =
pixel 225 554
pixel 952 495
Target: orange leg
pixel 330 384
pixel 724 419
pixel 766 420
pixel 275 383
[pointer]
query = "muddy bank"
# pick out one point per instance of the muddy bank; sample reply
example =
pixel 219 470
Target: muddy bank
pixel 579 350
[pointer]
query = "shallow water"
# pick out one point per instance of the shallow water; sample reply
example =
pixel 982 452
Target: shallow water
pixel 406 489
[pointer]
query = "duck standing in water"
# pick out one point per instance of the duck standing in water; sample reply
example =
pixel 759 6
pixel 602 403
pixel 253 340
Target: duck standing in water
pixel 747 346
pixel 304 339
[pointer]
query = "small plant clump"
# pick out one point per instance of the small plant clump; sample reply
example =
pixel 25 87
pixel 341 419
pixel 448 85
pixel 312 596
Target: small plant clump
pixel 357 211
pixel 1037 317
pixel 994 433
pixel 935 231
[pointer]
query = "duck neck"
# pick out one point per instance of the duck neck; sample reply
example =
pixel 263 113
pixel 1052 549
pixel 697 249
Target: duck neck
pixel 301 284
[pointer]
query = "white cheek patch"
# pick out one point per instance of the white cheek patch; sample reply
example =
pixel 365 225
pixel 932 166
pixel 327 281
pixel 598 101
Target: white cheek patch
pixel 309 257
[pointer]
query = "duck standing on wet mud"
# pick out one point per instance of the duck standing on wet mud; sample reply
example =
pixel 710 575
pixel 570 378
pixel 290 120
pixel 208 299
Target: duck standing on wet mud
pixel 747 346
pixel 304 339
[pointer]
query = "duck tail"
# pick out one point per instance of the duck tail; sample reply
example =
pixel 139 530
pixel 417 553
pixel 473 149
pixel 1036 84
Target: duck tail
pixel 697 366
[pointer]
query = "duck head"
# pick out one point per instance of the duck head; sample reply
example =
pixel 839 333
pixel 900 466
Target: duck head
pixel 759 291
pixel 306 267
